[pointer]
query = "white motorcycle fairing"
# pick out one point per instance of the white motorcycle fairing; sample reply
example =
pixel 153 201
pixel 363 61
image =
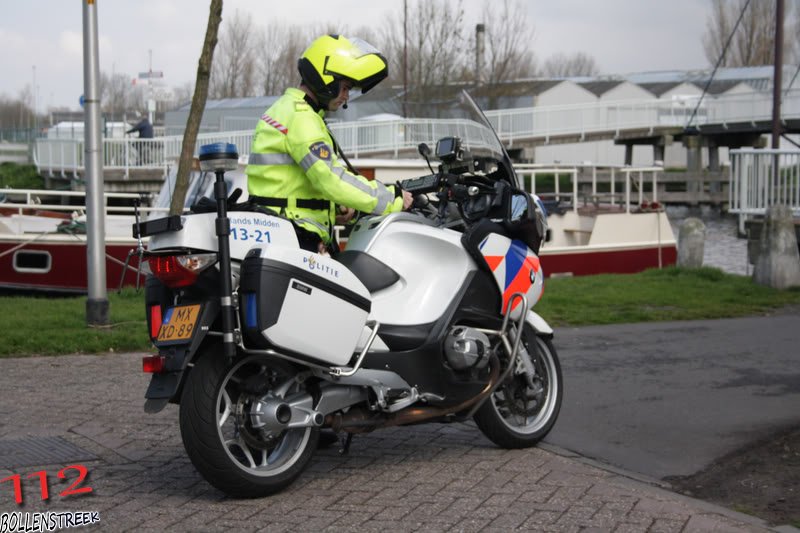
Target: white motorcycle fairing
pixel 408 244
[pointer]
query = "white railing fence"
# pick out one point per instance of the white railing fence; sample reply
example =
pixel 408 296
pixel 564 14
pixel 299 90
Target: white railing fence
pixel 761 178
pixel 360 138
pixel 630 177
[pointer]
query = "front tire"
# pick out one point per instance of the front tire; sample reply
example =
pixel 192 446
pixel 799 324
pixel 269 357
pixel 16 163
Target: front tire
pixel 222 444
pixel 519 414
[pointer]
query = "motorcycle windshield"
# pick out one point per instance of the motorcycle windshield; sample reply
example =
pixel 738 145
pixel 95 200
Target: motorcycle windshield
pixel 463 118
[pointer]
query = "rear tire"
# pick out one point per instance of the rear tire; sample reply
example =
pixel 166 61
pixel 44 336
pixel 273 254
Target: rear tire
pixel 519 415
pixel 218 437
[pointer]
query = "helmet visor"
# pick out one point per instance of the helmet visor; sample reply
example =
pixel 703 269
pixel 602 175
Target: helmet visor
pixel 359 62
pixel 362 47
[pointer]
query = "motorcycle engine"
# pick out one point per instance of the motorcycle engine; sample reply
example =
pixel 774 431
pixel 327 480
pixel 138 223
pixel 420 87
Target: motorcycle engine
pixel 466 348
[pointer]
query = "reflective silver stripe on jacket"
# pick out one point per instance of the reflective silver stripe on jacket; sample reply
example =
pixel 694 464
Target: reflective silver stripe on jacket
pixel 270 159
pixel 383 195
pixel 313 223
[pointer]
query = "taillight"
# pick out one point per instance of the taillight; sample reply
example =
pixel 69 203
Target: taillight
pixel 179 270
pixel 153 364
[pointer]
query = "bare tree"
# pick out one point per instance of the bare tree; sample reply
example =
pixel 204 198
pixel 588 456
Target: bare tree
pixel 232 74
pixel 16 113
pixel 753 42
pixel 755 39
pixel 196 111
pixel 119 95
pixel 436 43
pixel 562 66
pixel 279 48
pixel 183 93
pixel 508 44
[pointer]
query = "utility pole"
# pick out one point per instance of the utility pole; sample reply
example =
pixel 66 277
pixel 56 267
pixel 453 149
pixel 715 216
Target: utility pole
pixel 405 58
pixel 35 116
pixel 97 305
pixel 777 77
pixel 150 88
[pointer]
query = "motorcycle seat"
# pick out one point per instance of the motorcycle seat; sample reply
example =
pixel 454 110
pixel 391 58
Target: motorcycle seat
pixel 374 274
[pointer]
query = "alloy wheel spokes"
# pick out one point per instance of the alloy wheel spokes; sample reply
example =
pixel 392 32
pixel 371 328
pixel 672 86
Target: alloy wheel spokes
pixel 246 451
pixel 227 410
pixel 257 452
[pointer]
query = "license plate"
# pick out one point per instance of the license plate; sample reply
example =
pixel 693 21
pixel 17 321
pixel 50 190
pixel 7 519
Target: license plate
pixel 179 323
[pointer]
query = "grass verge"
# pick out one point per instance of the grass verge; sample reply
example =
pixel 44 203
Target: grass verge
pixel 37 325
pixel 52 326
pixel 18 176
pixel 672 293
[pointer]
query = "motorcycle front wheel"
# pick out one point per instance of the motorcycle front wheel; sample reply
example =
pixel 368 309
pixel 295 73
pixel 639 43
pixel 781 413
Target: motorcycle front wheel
pixel 521 411
pixel 218 434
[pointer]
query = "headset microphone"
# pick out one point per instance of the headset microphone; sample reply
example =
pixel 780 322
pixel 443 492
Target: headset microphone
pixel 344 105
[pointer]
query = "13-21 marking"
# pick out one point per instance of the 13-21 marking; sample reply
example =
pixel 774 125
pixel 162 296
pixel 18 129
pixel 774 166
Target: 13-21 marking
pixel 239 233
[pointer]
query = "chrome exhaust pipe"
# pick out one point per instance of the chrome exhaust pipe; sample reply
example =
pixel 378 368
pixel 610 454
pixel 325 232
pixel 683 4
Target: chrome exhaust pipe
pixel 361 421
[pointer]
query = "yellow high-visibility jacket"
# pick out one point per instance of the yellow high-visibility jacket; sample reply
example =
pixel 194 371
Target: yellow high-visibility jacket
pixel 294 171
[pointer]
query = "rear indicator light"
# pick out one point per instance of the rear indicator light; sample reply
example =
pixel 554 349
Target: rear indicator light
pixel 153 364
pixel 179 270
pixel 155 320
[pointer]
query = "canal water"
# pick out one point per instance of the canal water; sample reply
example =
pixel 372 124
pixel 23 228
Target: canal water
pixel 723 249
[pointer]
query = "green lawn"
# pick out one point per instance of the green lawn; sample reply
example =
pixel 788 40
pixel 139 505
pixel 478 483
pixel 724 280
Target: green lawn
pixel 57 325
pixel 669 294
pixel 52 326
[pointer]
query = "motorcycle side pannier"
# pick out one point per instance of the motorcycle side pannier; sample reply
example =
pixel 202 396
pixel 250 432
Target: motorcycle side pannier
pixel 292 299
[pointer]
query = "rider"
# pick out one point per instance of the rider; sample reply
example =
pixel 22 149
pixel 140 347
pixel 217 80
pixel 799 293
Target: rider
pixel 293 167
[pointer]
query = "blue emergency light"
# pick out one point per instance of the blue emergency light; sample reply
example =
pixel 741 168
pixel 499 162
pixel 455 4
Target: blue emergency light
pixel 218 157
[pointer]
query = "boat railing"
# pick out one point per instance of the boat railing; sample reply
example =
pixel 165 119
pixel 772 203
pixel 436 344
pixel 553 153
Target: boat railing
pixel 25 201
pixel 631 177
pixel 760 178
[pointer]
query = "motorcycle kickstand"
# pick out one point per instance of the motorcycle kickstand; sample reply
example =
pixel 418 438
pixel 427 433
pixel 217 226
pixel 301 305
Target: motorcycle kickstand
pixel 345 449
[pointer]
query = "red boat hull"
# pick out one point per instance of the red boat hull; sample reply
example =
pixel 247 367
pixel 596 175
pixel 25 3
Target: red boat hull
pixel 67 270
pixel 611 261
pixel 68 265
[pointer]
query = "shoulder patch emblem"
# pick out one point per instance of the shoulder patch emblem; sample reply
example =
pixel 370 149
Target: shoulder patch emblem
pixel 321 150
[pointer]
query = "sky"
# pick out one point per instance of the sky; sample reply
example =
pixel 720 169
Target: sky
pixel 41 40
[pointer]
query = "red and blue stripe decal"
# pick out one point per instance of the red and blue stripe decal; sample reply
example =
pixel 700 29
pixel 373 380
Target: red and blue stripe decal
pixel 514 265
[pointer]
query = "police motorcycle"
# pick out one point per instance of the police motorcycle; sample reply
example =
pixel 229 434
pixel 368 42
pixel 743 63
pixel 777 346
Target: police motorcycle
pixel 424 317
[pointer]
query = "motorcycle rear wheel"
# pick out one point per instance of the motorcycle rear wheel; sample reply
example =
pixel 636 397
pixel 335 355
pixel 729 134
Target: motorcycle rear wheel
pixel 519 415
pixel 219 438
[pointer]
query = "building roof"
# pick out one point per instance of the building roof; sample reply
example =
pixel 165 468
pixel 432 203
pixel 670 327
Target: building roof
pixel 659 88
pixel 262 102
pixel 600 87
pixel 718 86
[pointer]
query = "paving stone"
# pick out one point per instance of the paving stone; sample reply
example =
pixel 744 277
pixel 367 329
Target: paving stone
pixel 422 478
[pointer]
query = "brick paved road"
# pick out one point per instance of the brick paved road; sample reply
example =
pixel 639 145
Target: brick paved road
pixel 426 478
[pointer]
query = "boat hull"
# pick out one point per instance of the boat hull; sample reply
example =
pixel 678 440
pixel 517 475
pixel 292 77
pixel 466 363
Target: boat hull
pixel 607 243
pixel 586 261
pixel 57 264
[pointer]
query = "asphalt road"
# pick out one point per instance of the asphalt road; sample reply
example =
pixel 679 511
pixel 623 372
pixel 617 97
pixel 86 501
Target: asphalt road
pixel 667 399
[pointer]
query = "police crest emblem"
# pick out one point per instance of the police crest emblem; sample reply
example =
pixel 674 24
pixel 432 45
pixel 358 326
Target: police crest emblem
pixel 321 150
